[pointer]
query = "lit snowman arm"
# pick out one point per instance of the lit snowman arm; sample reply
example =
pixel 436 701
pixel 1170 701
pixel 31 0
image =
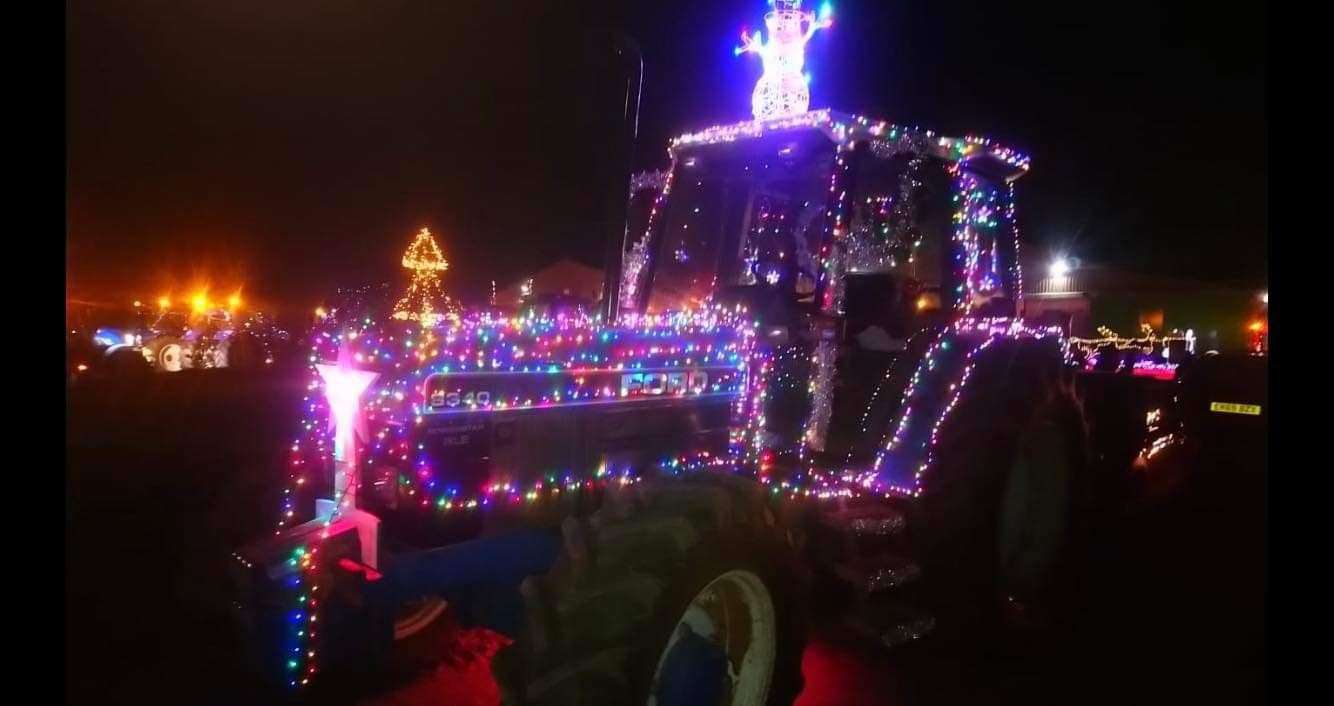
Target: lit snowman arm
pixel 826 19
pixel 750 44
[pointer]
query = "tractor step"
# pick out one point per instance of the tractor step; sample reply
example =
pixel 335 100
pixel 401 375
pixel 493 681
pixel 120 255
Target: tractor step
pixel 871 574
pixel 875 520
pixel 891 623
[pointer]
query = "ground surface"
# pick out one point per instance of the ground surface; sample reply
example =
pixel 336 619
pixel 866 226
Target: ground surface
pixel 167 477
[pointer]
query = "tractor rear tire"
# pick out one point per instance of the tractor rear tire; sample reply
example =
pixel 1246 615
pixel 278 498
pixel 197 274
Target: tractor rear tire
pixel 598 625
pixel 167 354
pixel 999 523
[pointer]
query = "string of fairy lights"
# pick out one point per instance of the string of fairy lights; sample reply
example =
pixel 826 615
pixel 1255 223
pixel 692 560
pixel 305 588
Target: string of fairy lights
pixel 1017 268
pixel 567 361
pixel 833 262
pixel 635 266
pixel 749 386
pixel 975 222
pixel 910 448
pixel 821 390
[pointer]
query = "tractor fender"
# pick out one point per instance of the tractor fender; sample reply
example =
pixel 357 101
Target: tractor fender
pixel 479 577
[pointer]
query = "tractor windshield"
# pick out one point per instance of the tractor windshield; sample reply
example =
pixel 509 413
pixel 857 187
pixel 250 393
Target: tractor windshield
pixel 749 221
pixel 744 219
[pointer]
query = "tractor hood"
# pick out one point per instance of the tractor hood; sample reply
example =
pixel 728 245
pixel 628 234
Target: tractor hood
pixel 485 363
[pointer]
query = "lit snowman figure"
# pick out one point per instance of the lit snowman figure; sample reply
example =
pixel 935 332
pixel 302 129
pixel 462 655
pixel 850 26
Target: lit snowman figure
pixel 783 90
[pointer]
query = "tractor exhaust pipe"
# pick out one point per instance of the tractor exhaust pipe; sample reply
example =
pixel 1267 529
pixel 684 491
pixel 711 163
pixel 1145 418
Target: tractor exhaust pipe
pixel 632 63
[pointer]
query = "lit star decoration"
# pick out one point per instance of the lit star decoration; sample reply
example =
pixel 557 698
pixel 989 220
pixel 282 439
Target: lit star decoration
pixel 343 386
pixel 425 301
pixel 783 90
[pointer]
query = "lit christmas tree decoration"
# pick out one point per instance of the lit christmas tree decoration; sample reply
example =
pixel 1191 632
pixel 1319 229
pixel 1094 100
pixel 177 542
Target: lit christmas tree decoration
pixel 425 301
pixel 783 90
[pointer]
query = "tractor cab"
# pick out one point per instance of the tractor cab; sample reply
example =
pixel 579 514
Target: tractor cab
pixel 847 241
pixel 787 216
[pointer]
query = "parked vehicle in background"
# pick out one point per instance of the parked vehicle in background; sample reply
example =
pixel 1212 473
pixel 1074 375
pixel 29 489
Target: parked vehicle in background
pixel 1213 430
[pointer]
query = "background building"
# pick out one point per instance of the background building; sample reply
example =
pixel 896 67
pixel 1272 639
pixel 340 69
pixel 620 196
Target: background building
pixel 1086 297
pixel 565 277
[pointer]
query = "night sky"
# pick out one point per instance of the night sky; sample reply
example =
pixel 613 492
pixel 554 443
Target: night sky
pixel 296 146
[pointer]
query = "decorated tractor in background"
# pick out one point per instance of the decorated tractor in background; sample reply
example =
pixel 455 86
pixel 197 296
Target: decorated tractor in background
pixel 170 341
pixel 177 340
pixel 808 400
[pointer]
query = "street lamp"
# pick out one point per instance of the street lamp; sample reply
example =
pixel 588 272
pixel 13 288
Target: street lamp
pixel 1060 267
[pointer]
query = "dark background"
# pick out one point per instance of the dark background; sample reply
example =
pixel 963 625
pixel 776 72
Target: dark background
pixel 297 146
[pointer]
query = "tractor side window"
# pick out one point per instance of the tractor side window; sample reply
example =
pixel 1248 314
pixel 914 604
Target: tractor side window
pixel 900 218
pixel 634 259
pixel 898 246
pixel 685 264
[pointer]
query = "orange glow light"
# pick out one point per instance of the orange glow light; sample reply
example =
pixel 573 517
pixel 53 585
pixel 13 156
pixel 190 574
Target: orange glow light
pixel 1257 326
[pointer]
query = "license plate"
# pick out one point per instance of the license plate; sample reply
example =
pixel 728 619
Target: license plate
pixel 1234 408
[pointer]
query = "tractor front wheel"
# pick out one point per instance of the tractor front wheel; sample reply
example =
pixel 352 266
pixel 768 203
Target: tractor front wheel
pixel 674 592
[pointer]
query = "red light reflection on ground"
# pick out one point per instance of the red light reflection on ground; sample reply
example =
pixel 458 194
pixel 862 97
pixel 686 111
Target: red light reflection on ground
pixel 843 674
pixel 835 674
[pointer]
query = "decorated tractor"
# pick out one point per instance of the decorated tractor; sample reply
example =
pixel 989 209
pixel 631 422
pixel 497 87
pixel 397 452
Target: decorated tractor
pixel 809 400
pixel 176 341
pixel 171 341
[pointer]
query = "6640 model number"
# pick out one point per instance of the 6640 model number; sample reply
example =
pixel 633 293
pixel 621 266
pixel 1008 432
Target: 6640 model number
pixel 440 398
